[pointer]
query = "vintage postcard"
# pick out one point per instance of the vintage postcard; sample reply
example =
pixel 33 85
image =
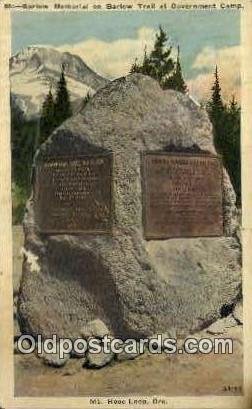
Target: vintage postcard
pixel 126 195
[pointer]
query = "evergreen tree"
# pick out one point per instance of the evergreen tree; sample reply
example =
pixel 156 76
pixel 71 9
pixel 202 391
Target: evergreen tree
pixel 233 145
pixel 47 120
pixel 23 136
pixel 159 63
pixel 226 128
pixel 27 134
pixel 216 105
pixel 143 68
pixel 86 99
pixel 62 103
pixel 176 80
pixel 216 111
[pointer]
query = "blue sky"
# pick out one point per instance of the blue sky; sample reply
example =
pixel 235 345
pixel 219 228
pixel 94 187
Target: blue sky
pixel 203 36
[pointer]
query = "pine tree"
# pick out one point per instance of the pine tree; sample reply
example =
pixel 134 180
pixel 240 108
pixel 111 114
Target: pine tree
pixel 176 80
pixel 47 120
pixel 159 63
pixel 216 111
pixel 233 128
pixel 226 128
pixel 160 58
pixel 233 106
pixel 23 136
pixel 55 112
pixel 144 68
pixel 216 105
pixel 135 67
pixel 62 103
pixel 86 99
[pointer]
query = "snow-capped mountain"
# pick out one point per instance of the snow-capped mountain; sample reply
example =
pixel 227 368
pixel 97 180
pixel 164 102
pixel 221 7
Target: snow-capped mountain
pixel 34 69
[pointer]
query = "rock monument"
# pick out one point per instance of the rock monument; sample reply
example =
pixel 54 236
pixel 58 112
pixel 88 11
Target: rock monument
pixel 132 219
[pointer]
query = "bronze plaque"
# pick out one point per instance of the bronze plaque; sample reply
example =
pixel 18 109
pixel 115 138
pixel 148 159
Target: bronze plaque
pixel 74 195
pixel 182 195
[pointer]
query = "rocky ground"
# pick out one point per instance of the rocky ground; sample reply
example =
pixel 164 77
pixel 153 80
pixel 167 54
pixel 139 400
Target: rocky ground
pixel 145 375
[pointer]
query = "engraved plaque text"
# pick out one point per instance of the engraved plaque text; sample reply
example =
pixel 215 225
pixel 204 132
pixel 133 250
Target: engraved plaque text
pixel 73 195
pixel 182 195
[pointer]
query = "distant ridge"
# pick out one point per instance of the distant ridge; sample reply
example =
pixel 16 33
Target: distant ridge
pixel 35 68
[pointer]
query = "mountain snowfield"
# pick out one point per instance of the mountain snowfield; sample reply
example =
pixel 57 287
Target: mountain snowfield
pixel 34 69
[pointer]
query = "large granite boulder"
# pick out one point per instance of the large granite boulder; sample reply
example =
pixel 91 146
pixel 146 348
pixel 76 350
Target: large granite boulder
pixel 136 287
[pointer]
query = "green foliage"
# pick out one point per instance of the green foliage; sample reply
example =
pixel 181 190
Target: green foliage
pixel 55 111
pixel 62 109
pixel 47 120
pixel 233 145
pixel 176 80
pixel 27 135
pixel 159 65
pixel 226 120
pixel 23 142
pixel 23 137
pixel 215 105
pixel 20 195
pixel 86 99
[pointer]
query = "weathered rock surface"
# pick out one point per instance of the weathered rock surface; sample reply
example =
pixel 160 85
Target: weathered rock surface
pixel 238 313
pixel 98 360
pixel 221 326
pixel 135 287
pixel 25 345
pixel 79 355
pixel 53 359
pixel 95 328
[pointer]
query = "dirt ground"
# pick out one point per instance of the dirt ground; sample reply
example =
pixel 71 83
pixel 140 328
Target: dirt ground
pixel 149 375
